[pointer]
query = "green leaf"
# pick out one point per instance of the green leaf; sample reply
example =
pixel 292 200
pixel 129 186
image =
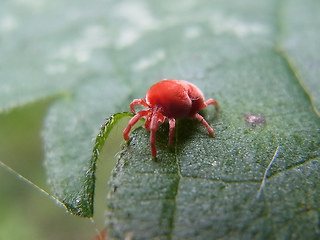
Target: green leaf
pixel 299 42
pixel 46 47
pixel 70 127
pixel 257 178
pixel 211 186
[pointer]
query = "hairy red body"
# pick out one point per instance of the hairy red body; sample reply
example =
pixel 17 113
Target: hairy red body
pixel 169 100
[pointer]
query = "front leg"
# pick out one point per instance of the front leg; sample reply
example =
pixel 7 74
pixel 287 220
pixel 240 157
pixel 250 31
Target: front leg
pixel 156 120
pixel 172 126
pixel 138 102
pixel 132 122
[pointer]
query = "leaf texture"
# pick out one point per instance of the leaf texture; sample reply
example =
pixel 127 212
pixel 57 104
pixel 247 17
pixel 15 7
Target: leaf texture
pixel 256 179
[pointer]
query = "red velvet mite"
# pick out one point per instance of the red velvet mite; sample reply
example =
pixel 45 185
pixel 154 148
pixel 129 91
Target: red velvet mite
pixel 169 100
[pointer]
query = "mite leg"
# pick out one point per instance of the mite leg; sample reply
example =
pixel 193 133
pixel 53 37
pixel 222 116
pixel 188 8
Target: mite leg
pixel 153 143
pixel 204 123
pixel 156 121
pixel 172 126
pixel 132 122
pixel 138 102
pixel 210 101
pixel 147 123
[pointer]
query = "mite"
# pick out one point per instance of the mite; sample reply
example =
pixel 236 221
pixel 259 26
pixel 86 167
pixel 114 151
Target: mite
pixel 169 100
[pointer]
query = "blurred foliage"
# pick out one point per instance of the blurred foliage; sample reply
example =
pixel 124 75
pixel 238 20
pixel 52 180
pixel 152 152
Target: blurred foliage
pixel 25 212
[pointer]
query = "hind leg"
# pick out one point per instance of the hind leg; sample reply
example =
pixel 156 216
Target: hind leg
pixel 210 101
pixel 204 123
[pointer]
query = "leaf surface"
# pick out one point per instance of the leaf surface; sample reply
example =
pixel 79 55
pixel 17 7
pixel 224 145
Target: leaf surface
pixel 46 47
pixel 299 37
pixel 257 178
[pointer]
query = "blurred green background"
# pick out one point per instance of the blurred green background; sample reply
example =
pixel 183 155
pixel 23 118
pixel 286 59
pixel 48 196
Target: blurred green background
pixel 26 213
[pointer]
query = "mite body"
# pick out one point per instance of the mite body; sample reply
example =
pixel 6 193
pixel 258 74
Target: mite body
pixel 169 100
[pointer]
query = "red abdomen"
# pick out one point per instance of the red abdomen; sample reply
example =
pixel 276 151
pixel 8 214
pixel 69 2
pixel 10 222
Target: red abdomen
pixel 175 98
